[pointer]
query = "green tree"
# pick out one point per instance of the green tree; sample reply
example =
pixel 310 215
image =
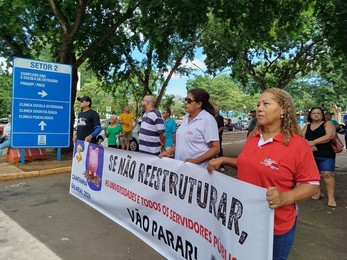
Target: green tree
pixel 5 93
pixel 154 45
pixel 314 90
pixel 100 99
pixel 73 29
pixel 168 101
pixel 271 54
pixel 177 108
pixel 96 30
pixel 224 93
pixel 331 15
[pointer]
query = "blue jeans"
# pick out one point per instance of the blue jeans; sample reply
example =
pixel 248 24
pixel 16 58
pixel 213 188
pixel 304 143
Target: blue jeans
pixel 325 164
pixel 283 244
pixel 4 145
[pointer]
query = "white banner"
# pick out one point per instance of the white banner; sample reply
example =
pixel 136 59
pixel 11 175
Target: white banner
pixel 177 208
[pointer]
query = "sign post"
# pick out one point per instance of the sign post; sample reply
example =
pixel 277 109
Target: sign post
pixel 41 104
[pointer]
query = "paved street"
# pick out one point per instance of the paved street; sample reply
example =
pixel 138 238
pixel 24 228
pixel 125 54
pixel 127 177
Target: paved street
pixel 66 225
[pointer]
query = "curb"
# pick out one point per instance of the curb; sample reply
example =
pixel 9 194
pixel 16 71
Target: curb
pixel 24 175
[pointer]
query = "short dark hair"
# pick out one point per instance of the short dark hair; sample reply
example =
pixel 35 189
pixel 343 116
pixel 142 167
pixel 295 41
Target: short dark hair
pixel 85 98
pixel 309 119
pixel 168 110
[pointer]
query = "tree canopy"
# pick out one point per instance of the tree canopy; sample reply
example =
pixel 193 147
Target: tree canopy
pixel 225 93
pixel 270 53
pixel 140 44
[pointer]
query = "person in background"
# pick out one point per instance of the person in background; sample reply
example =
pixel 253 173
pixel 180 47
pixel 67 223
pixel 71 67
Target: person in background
pixel 318 132
pixel 239 123
pixel 152 131
pixel 343 131
pixel 329 117
pixel 170 128
pixel 197 139
pixel 338 128
pixel 253 122
pixel 113 132
pixel 88 124
pixel 126 120
pixel 220 125
pixel 277 158
pixel 6 140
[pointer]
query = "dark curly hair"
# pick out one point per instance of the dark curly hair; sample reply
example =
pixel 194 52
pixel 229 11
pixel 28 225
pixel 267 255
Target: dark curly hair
pixel 289 124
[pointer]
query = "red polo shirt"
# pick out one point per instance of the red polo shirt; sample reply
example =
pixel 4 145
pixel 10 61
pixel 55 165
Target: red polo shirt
pixel 279 165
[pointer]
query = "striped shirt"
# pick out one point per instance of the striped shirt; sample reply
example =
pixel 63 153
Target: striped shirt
pixel 152 126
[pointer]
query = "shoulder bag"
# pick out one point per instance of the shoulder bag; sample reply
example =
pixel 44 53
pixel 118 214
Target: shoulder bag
pixel 337 144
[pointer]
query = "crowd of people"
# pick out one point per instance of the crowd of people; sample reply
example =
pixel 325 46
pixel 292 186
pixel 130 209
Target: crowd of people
pixel 277 155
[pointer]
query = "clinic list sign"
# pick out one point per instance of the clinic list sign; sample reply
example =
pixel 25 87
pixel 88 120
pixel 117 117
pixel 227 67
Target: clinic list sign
pixel 41 104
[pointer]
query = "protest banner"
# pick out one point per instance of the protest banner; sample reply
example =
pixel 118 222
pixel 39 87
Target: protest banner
pixel 177 208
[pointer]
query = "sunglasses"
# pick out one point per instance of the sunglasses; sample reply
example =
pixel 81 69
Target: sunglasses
pixel 189 100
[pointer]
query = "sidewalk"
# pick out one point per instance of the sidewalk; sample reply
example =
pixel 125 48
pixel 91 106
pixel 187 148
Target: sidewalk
pixel 50 165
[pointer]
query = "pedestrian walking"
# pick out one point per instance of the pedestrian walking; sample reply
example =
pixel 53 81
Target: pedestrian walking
pixel 319 132
pixel 253 122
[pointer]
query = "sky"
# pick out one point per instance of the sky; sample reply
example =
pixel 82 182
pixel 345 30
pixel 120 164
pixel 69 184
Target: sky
pixel 177 84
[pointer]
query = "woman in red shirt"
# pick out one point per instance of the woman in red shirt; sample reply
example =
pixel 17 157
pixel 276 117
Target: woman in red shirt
pixel 277 158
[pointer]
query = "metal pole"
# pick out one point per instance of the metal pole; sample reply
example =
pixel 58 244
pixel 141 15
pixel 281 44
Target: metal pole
pixel 59 154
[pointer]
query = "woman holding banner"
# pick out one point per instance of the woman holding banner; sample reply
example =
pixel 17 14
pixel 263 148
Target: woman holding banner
pixel 277 158
pixel 197 139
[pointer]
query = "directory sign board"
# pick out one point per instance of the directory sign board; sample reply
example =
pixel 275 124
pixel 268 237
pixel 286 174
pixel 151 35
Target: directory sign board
pixel 41 104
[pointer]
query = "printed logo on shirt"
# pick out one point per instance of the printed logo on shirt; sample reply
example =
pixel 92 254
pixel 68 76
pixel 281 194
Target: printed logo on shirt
pixel 189 132
pixel 270 163
pixel 82 121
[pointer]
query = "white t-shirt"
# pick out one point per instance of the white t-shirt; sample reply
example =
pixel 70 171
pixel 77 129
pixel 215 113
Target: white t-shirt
pixel 192 138
pixel 7 129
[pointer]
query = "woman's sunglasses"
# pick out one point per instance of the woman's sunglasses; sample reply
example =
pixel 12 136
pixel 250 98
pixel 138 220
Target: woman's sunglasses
pixel 189 100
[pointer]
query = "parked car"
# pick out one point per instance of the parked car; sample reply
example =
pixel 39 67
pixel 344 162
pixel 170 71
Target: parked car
pixel 3 120
pixel 134 143
pixel 178 123
pixel 245 124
